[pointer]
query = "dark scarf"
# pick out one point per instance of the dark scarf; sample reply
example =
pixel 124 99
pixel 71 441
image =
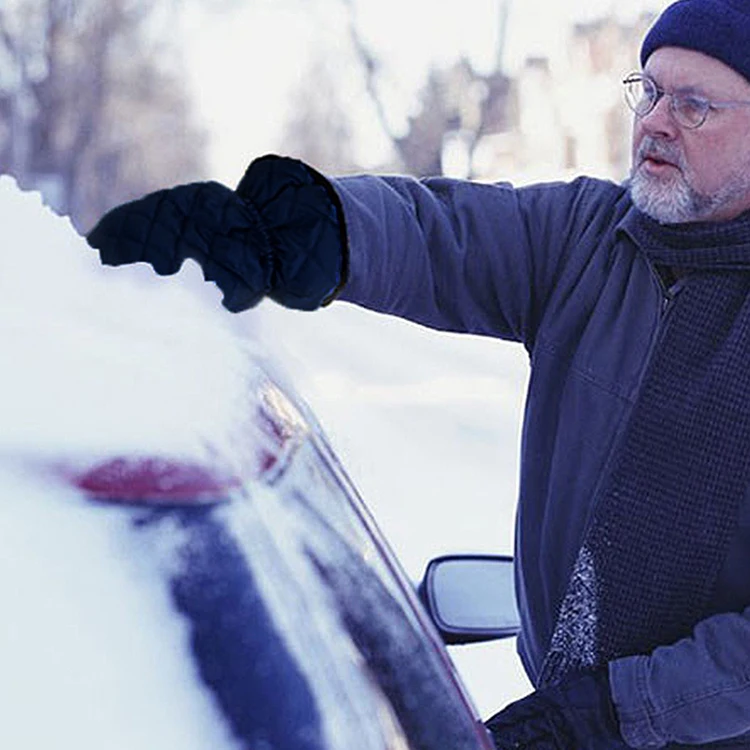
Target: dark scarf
pixel 667 506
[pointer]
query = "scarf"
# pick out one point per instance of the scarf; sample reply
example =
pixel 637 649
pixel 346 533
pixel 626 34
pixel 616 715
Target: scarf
pixel 666 508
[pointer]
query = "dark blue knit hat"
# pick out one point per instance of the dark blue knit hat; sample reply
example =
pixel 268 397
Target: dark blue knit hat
pixel 719 28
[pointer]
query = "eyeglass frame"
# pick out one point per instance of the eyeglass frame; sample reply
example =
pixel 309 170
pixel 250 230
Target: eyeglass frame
pixel 675 96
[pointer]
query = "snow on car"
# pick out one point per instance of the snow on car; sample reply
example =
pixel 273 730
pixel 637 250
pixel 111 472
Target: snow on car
pixel 184 564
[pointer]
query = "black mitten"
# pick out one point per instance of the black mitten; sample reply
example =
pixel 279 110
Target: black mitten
pixel 279 235
pixel 576 714
pixel 304 220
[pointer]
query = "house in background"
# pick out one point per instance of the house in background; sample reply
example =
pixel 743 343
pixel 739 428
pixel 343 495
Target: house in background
pixel 555 117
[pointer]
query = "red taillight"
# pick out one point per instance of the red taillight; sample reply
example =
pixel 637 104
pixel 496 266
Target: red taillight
pixel 155 481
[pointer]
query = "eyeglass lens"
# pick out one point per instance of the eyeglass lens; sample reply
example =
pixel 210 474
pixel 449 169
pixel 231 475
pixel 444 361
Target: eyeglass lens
pixel 642 94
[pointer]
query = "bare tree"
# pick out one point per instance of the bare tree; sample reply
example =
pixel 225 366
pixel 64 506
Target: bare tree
pixel 458 107
pixel 319 129
pixel 92 111
pixel 454 102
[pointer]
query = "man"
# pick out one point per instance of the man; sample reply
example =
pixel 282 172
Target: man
pixel 633 529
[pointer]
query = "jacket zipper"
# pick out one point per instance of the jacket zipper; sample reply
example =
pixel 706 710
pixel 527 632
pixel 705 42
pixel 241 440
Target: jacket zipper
pixel 668 296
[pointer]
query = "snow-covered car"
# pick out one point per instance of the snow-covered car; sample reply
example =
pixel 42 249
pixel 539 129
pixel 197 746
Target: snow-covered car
pixel 185 563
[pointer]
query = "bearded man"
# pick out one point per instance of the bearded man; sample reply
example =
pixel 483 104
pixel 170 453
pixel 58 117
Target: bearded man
pixel 633 302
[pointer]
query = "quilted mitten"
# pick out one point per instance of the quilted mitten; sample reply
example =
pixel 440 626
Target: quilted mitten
pixel 280 234
pixel 576 714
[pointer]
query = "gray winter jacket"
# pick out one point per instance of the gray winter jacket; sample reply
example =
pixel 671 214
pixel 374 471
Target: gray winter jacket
pixel 553 267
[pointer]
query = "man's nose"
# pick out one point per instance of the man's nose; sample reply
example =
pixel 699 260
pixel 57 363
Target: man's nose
pixel 660 120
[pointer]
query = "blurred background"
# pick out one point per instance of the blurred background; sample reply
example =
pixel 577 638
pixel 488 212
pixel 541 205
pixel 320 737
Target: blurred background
pixel 104 100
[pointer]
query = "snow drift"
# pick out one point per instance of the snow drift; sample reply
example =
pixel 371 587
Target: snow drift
pixel 97 363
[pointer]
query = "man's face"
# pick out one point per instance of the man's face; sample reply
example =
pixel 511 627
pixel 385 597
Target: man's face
pixel 682 175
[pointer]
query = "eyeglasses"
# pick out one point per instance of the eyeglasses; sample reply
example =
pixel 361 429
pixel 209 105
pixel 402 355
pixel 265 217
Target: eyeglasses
pixel 642 95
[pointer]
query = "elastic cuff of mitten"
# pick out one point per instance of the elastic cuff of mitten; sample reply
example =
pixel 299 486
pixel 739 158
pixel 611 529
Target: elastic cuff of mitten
pixel 304 220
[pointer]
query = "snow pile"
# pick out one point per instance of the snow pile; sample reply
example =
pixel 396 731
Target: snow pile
pixel 95 364
pixel 97 359
pixel 93 655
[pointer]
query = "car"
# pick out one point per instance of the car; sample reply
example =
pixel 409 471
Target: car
pixel 186 563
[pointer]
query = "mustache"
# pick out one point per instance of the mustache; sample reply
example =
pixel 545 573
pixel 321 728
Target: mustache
pixel 653 148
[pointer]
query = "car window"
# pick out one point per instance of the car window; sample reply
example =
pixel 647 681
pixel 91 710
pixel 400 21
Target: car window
pixel 333 545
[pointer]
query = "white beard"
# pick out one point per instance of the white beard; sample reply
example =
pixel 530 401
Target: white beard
pixel 669 202
pixel 673 200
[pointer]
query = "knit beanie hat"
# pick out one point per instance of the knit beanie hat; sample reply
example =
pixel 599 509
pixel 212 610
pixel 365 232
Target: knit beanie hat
pixel 718 28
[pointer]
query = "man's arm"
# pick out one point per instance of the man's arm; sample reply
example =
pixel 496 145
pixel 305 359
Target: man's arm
pixel 461 256
pixel 693 692
pixel 450 254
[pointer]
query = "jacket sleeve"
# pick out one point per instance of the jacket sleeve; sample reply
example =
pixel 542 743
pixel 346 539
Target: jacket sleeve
pixel 693 692
pixel 457 255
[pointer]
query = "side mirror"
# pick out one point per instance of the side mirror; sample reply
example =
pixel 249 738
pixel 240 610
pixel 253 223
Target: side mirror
pixel 471 598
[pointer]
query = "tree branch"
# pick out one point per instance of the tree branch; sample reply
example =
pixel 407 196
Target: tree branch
pixel 371 66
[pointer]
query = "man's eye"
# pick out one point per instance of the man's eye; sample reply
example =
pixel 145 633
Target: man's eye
pixel 691 106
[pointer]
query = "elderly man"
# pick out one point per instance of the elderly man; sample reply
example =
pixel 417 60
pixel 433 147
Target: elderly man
pixel 633 528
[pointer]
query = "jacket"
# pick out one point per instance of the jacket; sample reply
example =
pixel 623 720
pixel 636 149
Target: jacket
pixel 554 267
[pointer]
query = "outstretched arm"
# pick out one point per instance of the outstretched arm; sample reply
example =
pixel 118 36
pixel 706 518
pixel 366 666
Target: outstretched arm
pixel 451 254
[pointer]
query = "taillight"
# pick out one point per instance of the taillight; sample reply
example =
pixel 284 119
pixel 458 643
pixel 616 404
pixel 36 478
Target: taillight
pixel 156 481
